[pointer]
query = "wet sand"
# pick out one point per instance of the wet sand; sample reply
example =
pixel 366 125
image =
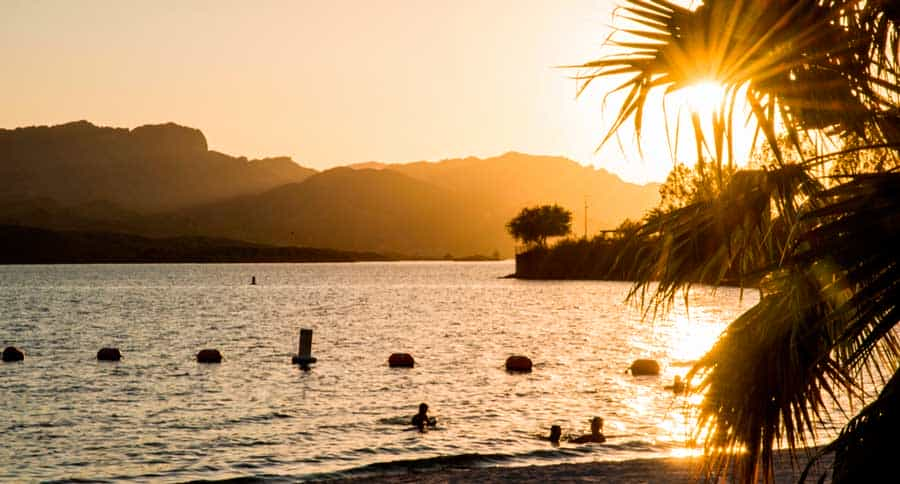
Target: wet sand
pixel 666 470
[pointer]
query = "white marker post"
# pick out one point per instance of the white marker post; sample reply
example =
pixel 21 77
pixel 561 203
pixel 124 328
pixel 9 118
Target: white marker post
pixel 304 356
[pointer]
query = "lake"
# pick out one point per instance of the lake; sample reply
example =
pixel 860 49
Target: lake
pixel 159 415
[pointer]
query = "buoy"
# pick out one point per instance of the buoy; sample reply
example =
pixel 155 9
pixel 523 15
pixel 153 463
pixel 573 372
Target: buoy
pixel 109 354
pixel 643 367
pixel 209 356
pixel 518 363
pixel 304 349
pixel 11 353
pixel 401 360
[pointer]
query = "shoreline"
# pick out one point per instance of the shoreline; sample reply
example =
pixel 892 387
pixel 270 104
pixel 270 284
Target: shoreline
pixel 669 470
pixel 40 246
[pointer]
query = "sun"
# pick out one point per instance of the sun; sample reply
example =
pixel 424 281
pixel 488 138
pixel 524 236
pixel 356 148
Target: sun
pixel 710 102
pixel 703 98
pixel 667 132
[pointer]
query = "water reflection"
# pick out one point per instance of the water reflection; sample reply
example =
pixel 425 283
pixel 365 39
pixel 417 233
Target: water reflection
pixel 256 413
pixel 691 337
pixel 677 339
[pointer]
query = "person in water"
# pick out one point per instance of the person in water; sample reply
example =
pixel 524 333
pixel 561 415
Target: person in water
pixel 677 386
pixel 596 434
pixel 421 419
pixel 555 434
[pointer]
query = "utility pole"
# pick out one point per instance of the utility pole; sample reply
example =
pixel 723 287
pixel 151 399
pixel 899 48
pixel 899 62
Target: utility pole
pixel 585 216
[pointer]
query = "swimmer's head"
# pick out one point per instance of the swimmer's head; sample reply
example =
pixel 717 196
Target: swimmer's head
pixel 423 407
pixel 596 425
pixel 555 433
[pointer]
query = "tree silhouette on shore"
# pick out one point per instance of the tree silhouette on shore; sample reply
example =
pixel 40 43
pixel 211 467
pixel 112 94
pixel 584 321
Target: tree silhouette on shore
pixel 534 224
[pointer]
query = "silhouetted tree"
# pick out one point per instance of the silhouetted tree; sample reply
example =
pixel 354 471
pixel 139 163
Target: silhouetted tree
pixel 533 225
pixel 690 184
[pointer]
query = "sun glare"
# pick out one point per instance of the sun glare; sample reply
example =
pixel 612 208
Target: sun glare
pixel 703 98
pixel 692 338
pixel 668 134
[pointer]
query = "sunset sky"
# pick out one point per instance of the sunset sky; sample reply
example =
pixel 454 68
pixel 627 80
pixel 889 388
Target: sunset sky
pixel 325 82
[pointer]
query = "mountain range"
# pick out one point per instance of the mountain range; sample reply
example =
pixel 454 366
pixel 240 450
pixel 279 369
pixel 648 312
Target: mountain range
pixel 163 181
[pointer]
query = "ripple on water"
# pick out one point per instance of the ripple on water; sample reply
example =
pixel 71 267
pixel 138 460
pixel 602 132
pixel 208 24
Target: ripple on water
pixel 159 415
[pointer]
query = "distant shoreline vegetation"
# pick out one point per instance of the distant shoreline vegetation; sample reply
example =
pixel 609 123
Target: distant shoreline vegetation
pixel 636 250
pixel 612 255
pixel 599 258
pixel 29 245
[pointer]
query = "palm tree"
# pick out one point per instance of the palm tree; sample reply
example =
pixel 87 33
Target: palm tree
pixel 822 249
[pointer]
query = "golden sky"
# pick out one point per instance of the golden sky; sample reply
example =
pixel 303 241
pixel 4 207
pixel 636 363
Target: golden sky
pixel 325 82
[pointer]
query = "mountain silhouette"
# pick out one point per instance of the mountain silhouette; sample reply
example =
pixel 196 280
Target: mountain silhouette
pixel 147 169
pixel 358 210
pixel 506 183
pixel 163 181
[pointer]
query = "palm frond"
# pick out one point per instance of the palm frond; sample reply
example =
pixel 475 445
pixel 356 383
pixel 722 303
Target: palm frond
pixel 768 377
pixel 867 446
pixel 812 59
pixel 743 233
pixel 830 280
pixel 856 233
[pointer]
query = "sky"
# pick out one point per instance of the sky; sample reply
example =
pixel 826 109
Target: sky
pixel 325 82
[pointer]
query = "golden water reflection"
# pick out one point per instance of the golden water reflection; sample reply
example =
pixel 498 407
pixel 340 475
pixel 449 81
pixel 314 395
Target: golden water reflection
pixel 691 338
pixel 678 340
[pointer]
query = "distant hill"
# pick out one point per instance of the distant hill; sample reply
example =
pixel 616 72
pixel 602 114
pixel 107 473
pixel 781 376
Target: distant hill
pixel 457 207
pixel 504 184
pixel 147 169
pixel 378 210
pixel 163 181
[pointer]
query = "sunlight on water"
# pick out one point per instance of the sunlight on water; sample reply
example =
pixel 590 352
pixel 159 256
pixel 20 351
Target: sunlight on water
pixel 691 337
pixel 159 415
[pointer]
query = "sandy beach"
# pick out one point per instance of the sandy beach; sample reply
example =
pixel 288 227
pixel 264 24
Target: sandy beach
pixel 665 470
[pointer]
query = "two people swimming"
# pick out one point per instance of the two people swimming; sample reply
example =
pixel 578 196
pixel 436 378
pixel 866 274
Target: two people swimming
pixel 678 386
pixel 596 435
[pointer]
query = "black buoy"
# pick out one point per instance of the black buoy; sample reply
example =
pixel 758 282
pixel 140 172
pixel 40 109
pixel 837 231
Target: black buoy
pixel 518 363
pixel 401 360
pixel 109 354
pixel 304 356
pixel 11 353
pixel 209 356
pixel 642 367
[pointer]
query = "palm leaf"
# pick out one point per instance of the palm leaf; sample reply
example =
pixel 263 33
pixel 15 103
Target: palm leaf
pixel 767 378
pixel 829 278
pixel 866 448
pixel 741 234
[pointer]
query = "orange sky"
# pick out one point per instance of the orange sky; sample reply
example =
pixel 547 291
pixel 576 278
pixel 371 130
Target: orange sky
pixel 325 82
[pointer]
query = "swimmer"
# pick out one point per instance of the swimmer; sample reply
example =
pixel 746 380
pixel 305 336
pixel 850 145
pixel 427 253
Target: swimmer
pixel 677 386
pixel 596 434
pixel 421 419
pixel 555 434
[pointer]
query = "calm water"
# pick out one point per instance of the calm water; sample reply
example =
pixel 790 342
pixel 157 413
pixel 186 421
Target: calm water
pixel 158 415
